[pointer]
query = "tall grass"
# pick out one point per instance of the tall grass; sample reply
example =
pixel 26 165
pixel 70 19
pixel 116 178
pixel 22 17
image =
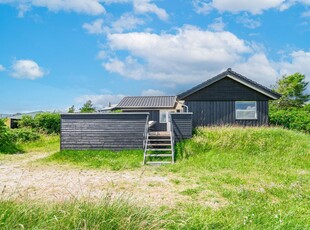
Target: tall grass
pixel 262 173
pixel 104 214
pixel 46 143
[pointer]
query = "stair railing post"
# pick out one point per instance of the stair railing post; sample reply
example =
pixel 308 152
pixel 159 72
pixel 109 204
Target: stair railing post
pixel 172 138
pixel 145 138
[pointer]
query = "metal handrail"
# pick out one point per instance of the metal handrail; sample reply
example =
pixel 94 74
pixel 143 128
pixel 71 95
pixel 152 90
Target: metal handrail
pixel 172 138
pixel 146 129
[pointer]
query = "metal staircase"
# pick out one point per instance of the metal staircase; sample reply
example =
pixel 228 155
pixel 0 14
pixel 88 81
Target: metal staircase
pixel 159 148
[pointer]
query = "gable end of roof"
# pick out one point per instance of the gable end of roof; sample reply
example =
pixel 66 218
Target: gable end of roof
pixel 237 77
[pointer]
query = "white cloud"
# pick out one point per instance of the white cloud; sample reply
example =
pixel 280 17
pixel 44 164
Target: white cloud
pixel 27 69
pixel 246 21
pixel 202 6
pixel 217 25
pixel 152 92
pixel 2 68
pixel 254 7
pixel 95 27
pixel 299 62
pixel 126 22
pixel 192 55
pixel 187 56
pixel 92 7
pixel 100 100
pixel 145 6
pixel 258 68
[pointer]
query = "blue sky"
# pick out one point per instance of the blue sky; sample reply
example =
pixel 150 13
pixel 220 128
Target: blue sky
pixel 58 53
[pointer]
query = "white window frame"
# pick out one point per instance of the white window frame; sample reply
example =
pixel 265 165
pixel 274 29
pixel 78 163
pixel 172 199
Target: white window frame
pixel 237 111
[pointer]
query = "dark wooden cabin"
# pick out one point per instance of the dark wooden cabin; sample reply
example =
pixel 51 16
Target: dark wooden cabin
pixel 229 98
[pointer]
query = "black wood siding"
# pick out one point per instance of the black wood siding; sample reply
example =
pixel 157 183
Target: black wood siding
pixel 115 131
pixel 206 113
pixel 154 116
pixel 227 89
pixel 182 125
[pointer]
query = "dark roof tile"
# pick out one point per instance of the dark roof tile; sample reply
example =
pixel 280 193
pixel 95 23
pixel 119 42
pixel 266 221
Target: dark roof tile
pixel 147 102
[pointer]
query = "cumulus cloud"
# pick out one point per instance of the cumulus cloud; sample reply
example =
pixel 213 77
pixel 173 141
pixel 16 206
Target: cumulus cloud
pixel 27 69
pixel 145 6
pixel 2 68
pixel 192 55
pixel 152 92
pixel 92 7
pixel 100 100
pixel 186 56
pixel 258 68
pixel 95 27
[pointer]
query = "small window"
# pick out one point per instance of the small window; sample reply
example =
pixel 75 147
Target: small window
pixel 163 116
pixel 246 110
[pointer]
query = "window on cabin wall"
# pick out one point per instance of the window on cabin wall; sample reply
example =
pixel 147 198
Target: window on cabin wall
pixel 246 110
pixel 164 116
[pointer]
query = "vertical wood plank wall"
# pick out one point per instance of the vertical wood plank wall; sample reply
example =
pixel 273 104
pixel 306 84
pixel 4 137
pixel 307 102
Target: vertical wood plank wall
pixel 206 113
pixel 115 131
pixel 182 125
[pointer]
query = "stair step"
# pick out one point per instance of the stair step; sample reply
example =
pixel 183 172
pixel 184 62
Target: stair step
pixel 158 155
pixel 158 162
pixel 158 149
pixel 159 139
pixel 159 144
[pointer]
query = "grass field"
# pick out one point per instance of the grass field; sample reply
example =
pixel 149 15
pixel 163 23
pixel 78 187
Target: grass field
pixel 230 178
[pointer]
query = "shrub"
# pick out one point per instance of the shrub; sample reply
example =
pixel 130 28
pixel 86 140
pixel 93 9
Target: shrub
pixel 24 135
pixel 294 118
pixel 44 122
pixel 26 121
pixel 7 143
pixel 48 122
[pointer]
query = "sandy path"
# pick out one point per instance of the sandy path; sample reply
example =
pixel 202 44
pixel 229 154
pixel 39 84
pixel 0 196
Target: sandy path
pixel 21 178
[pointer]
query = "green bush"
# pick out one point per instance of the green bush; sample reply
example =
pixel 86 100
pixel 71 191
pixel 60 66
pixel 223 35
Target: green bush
pixel 24 135
pixel 44 122
pixel 7 142
pixel 27 122
pixel 293 118
pixel 48 122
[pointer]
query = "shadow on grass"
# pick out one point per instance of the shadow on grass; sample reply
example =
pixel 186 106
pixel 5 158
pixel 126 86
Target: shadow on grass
pixel 98 159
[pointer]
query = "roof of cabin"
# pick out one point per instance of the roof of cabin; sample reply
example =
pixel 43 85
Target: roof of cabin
pixel 141 102
pixel 237 77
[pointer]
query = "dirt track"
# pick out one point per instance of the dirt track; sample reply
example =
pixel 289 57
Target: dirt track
pixel 23 178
